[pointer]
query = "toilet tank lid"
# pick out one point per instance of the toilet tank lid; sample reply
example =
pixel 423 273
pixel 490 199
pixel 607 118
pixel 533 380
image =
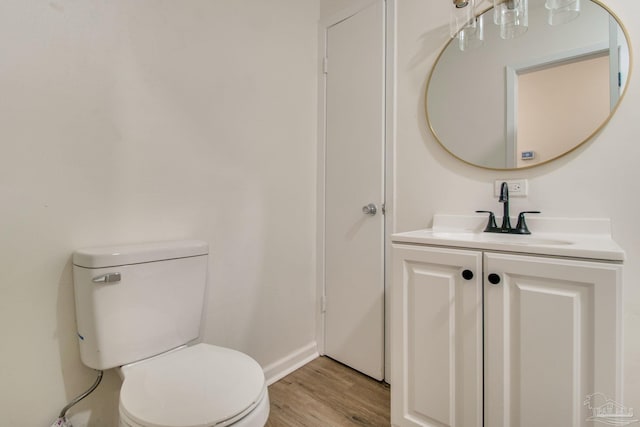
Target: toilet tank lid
pixel 112 256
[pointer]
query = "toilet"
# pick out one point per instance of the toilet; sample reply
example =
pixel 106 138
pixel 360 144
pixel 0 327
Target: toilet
pixel 138 310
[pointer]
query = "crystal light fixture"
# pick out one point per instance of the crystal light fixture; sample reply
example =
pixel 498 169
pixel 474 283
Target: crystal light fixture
pixel 512 16
pixel 465 25
pixel 562 11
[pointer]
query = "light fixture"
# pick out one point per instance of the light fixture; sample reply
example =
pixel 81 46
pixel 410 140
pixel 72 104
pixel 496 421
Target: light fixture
pixel 512 16
pixel 562 11
pixel 465 25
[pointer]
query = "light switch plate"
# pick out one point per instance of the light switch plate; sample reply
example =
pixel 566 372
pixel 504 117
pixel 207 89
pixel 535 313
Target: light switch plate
pixel 517 187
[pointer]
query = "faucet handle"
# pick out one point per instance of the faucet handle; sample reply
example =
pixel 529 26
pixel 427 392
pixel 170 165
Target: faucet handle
pixel 521 227
pixel 491 224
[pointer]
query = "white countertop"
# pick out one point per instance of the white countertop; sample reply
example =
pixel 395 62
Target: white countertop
pixel 586 238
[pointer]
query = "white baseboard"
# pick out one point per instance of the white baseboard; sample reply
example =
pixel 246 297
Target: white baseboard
pixel 296 359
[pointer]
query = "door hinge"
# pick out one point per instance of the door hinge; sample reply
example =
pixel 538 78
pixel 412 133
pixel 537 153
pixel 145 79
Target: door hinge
pixel 325 65
pixel 323 304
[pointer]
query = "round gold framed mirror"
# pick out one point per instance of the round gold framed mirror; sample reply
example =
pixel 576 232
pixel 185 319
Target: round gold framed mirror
pixel 520 102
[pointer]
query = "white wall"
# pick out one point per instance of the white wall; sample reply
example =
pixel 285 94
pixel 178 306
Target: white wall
pixel 331 7
pixel 599 179
pixel 137 121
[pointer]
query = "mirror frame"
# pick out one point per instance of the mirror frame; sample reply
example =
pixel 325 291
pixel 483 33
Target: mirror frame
pixel 577 145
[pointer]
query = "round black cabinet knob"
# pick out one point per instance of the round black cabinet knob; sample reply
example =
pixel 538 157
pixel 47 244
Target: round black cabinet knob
pixel 494 279
pixel 467 274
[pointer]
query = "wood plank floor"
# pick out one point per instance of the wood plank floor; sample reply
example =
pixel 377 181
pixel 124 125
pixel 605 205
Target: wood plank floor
pixel 325 393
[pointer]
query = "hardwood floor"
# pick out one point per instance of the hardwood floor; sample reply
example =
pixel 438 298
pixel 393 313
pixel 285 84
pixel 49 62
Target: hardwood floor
pixel 325 393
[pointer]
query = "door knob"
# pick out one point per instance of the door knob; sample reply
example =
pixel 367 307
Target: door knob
pixel 369 209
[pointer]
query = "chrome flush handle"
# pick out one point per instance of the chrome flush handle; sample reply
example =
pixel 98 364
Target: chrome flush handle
pixel 107 278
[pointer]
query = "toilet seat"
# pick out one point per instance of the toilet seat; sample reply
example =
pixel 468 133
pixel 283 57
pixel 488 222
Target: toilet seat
pixel 198 386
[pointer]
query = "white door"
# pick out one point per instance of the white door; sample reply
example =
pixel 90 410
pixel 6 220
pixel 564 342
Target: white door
pixel 552 339
pixel 436 336
pixel 354 240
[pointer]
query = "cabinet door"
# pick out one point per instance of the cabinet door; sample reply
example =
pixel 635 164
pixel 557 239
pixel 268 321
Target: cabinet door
pixel 552 339
pixel 436 337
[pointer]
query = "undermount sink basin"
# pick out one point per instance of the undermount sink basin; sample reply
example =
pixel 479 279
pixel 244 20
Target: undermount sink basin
pixel 513 239
pixel 568 237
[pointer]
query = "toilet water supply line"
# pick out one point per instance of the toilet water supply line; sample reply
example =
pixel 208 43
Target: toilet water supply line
pixel 62 419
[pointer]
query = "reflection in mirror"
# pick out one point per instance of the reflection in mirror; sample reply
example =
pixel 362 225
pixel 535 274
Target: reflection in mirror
pixel 520 102
pixel 579 87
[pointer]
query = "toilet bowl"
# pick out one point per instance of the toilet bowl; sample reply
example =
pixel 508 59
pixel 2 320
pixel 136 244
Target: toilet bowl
pixel 137 308
pixel 198 386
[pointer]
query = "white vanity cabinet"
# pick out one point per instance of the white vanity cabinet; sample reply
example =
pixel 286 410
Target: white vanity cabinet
pixel 552 337
pixel 436 337
pixel 522 343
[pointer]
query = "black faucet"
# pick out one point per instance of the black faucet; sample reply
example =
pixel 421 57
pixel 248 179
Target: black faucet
pixel 492 227
pixel 504 199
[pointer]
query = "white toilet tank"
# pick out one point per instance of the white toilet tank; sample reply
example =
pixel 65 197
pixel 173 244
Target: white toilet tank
pixel 136 301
